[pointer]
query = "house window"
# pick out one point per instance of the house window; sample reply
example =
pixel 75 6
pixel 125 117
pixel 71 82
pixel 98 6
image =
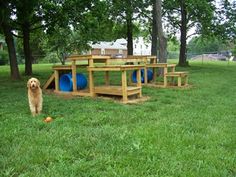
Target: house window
pixel 103 51
pixel 120 51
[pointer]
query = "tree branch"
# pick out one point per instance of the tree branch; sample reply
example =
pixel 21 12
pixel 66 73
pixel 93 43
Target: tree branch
pixel 16 35
pixel 191 35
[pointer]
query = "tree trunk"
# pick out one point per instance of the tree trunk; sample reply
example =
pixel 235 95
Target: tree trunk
pixel 162 41
pixel 129 34
pixel 15 74
pixel 27 51
pixel 183 36
pixel 154 29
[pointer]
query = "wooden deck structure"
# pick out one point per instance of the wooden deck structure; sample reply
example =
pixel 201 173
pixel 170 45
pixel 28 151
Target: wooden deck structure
pixel 109 64
pixel 124 90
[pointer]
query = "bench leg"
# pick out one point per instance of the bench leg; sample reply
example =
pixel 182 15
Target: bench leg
pixel 145 76
pixel 74 79
pixel 179 81
pixel 139 83
pixel 124 87
pixel 91 84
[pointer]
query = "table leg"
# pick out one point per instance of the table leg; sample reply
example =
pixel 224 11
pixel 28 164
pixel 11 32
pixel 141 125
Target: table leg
pixel 172 78
pixel 139 83
pixel 74 76
pixel 179 81
pixel 165 78
pixel 124 87
pixel 56 73
pixel 91 84
pixel 145 75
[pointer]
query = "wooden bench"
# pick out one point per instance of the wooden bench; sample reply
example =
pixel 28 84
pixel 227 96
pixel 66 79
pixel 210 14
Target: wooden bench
pixel 123 90
pixel 179 75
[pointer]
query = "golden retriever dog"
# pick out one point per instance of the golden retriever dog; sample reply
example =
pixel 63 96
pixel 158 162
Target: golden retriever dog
pixel 35 96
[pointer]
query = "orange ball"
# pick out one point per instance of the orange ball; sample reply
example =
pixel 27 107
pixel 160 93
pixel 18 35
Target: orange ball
pixel 48 119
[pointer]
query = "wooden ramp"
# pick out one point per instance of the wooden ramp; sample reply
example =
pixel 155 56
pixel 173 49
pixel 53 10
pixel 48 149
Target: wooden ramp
pixel 50 82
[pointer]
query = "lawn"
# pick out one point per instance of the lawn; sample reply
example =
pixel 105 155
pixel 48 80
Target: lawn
pixel 177 132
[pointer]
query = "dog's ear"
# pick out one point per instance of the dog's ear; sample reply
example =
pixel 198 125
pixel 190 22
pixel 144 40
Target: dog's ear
pixel 38 83
pixel 28 84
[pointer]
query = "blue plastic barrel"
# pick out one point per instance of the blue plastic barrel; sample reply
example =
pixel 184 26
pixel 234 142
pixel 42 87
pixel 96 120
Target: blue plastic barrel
pixel 149 75
pixel 66 83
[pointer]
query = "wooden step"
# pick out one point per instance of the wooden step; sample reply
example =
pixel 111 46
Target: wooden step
pixel 116 90
pixel 176 74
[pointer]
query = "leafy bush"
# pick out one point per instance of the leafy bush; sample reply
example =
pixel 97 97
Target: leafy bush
pixel 3 57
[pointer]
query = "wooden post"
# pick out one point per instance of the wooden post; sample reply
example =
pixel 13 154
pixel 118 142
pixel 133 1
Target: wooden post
pixel 124 87
pixel 56 72
pixel 74 80
pixel 107 81
pixel 172 78
pixel 90 62
pixel 139 83
pixel 91 84
pixel 165 78
pixel 179 81
pixel 145 75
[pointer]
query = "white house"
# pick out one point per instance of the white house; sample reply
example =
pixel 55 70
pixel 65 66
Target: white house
pixel 140 47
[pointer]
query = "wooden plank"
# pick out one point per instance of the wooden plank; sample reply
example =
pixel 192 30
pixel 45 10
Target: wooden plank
pixel 115 67
pixel 124 86
pixel 145 75
pixel 157 65
pixel 179 81
pixel 115 90
pixel 87 57
pixel 91 84
pixel 139 82
pixel 165 78
pixel 49 81
pixel 61 67
pixel 56 73
pixel 177 74
pixel 74 80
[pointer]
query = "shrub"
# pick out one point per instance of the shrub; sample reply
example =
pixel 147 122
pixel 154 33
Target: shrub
pixel 3 57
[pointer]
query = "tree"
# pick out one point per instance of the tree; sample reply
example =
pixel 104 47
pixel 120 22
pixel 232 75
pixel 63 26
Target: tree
pixel 157 33
pixel 205 44
pixel 225 23
pixel 29 17
pixel 162 40
pixel 5 21
pixel 154 28
pixel 183 15
pixel 125 12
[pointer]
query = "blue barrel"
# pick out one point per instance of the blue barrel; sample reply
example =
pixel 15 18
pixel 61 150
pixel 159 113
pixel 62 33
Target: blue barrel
pixel 66 83
pixel 149 75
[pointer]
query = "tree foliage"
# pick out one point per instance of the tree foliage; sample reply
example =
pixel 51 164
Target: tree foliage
pixel 183 15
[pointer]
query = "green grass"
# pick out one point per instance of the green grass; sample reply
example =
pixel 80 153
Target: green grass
pixel 178 132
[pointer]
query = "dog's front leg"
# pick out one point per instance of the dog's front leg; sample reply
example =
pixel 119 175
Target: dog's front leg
pixel 33 110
